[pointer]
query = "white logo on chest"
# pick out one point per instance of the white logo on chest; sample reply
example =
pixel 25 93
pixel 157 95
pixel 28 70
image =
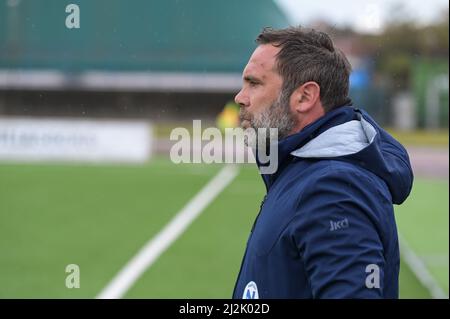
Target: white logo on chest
pixel 251 291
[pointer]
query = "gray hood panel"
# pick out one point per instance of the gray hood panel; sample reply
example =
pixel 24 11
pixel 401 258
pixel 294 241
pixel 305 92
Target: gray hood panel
pixel 345 139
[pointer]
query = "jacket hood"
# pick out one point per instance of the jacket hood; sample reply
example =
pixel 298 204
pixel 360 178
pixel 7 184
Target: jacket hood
pixel 362 142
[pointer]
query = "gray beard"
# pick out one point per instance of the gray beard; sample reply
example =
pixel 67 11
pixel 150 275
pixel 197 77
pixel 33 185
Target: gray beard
pixel 277 116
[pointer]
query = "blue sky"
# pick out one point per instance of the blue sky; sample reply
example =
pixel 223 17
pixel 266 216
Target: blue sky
pixel 363 15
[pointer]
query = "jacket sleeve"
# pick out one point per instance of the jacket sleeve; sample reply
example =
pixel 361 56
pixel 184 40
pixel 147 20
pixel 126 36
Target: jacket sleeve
pixel 335 232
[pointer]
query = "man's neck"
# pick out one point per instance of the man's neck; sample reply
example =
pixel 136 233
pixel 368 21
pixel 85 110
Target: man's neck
pixel 307 118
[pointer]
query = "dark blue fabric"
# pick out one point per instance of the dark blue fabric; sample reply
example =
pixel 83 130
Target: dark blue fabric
pixel 325 221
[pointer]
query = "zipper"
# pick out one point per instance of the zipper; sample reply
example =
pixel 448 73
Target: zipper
pixel 248 240
pixel 257 216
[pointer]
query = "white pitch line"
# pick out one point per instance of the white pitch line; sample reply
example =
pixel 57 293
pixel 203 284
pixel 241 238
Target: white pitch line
pixel 157 245
pixel 419 269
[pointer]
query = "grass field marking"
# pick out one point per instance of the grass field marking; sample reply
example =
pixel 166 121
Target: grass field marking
pixel 420 270
pixel 157 245
pixel 436 260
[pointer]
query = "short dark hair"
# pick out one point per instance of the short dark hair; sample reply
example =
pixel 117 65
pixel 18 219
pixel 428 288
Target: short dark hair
pixel 309 55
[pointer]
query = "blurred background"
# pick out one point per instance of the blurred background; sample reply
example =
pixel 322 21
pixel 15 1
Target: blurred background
pixel 87 107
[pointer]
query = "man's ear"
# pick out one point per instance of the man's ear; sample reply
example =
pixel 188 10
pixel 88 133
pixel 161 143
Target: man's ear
pixel 305 97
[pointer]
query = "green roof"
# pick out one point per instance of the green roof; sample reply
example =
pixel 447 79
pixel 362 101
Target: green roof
pixel 138 35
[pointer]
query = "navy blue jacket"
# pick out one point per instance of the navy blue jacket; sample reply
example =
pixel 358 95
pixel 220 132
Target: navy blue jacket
pixel 326 227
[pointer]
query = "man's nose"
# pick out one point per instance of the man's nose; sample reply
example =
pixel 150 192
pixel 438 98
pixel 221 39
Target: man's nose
pixel 241 99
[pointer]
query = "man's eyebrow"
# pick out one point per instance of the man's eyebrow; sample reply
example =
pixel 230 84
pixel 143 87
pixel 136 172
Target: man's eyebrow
pixel 251 78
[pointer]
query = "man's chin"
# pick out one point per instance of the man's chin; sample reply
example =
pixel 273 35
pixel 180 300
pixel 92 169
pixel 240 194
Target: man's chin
pixel 245 124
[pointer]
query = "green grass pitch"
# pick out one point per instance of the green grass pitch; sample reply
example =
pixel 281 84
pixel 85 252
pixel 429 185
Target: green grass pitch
pixel 98 217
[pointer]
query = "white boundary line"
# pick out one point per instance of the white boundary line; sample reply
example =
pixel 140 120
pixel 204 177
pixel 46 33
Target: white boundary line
pixel 157 245
pixel 420 270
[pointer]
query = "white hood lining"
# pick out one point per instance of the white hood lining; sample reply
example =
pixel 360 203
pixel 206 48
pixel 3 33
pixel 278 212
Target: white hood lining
pixel 345 139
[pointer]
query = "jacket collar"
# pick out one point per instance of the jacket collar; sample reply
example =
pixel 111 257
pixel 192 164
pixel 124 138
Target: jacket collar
pixel 295 141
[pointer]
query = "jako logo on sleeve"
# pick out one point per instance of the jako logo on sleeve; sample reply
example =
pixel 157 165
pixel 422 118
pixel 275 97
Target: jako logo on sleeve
pixel 251 291
pixel 339 224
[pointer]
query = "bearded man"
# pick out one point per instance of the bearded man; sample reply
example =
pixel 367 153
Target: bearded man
pixel 326 227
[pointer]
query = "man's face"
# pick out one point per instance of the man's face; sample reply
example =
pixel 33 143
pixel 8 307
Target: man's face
pixel 261 101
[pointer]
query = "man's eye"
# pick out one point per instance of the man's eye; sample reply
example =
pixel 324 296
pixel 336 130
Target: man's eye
pixel 254 83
